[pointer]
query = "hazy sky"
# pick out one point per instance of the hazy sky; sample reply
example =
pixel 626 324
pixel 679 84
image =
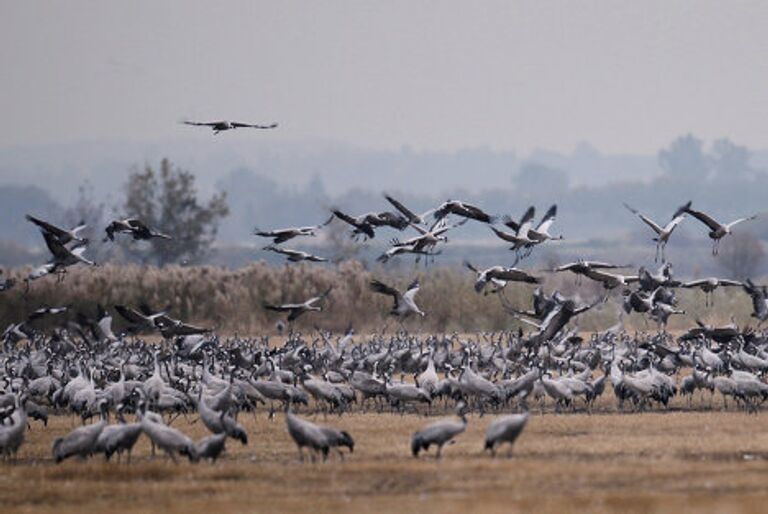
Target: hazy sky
pixel 627 77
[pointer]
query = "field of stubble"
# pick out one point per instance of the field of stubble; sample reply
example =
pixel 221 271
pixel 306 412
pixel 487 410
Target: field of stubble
pixel 649 462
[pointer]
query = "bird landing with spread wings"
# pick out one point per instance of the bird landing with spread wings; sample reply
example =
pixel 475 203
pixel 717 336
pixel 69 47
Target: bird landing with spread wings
pixel 662 233
pixel 424 243
pixel 526 235
pixel 405 303
pixel 717 230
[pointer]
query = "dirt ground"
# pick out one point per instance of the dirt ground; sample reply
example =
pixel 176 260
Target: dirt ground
pixel 646 462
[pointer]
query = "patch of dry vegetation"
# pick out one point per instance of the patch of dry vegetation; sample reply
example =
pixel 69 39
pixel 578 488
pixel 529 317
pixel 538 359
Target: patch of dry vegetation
pixel 231 300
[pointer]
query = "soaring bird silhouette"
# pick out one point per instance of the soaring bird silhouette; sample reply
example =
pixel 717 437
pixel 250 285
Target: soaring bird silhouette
pixel 222 125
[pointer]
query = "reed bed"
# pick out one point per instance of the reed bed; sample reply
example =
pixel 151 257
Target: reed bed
pixel 231 300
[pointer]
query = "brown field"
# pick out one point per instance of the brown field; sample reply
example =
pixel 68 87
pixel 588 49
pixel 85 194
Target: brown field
pixel 650 462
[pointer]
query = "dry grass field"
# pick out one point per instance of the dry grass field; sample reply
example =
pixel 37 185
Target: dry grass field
pixel 650 462
pixel 231 300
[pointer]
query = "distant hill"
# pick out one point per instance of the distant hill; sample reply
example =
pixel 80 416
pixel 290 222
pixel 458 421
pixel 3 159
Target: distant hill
pixel 63 167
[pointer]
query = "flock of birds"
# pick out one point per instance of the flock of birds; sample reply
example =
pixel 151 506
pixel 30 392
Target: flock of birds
pixel 83 367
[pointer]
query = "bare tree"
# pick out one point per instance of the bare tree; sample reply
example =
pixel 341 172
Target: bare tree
pixel 741 255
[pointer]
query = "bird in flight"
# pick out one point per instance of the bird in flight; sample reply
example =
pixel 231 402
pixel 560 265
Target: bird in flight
pixel 411 216
pixel 294 255
pixel 462 209
pixel 285 234
pixel 499 276
pixel 717 230
pixel 133 226
pixel 62 235
pixel 295 310
pixel 405 303
pixel 663 233
pixel 221 126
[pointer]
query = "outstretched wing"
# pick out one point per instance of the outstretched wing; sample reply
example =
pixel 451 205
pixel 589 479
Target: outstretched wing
pixel 526 222
pixel 345 217
pixel 476 213
pixel 326 222
pixel 58 250
pixel 237 124
pixel 603 265
pixel 736 222
pixel 129 314
pixel 648 221
pixel 508 221
pixel 79 253
pixel 674 222
pixel 182 329
pixel 56 231
pixel 445 228
pixel 382 288
pixel 201 123
pixel 284 251
pixel 600 276
pixel 412 217
pixel 320 297
pixel 704 218
pixel 278 308
pixel 682 210
pixel 568 267
pixel 413 288
pixel 139 227
pixel 506 236
pixel 547 220
pixel 513 274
